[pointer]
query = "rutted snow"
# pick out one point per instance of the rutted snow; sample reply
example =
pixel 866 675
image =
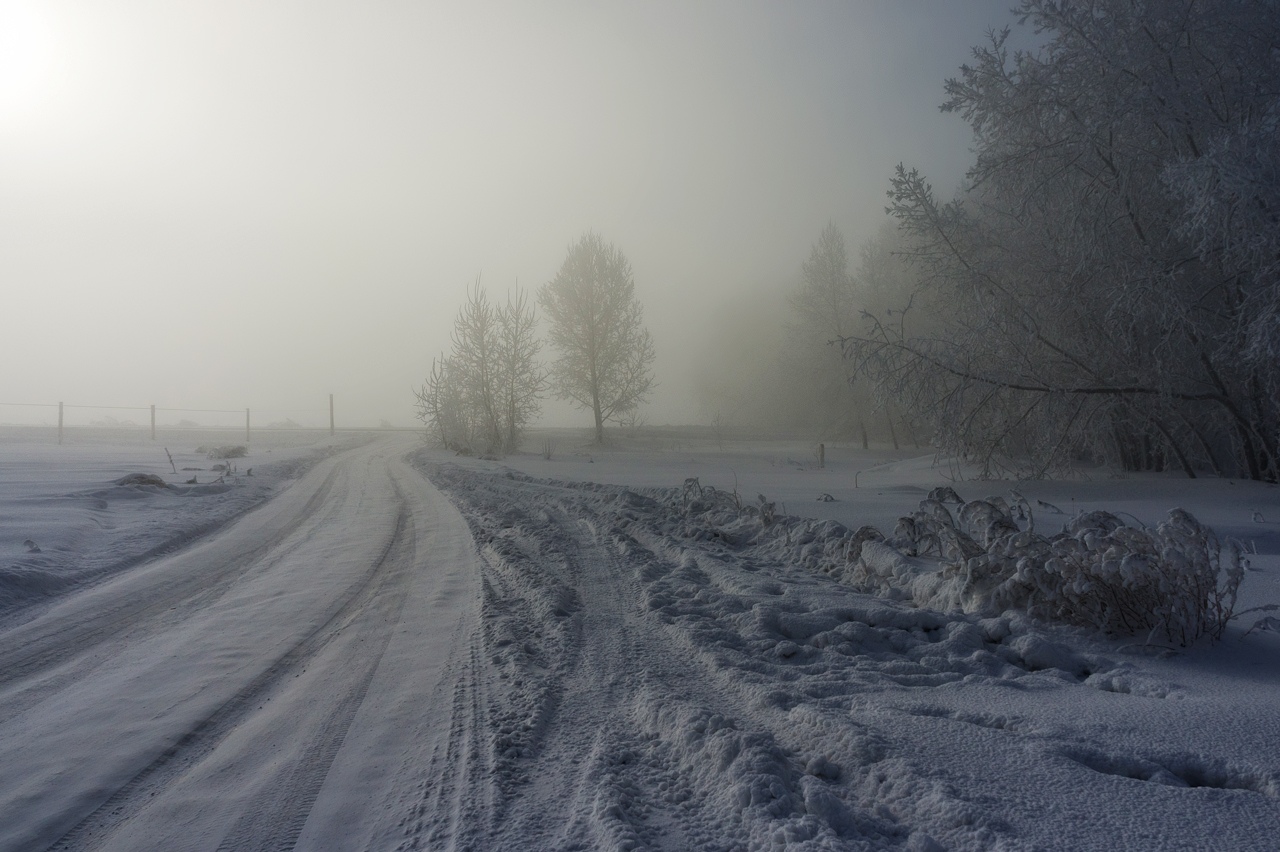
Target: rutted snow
pixel 754 701
pixel 257 686
pixel 596 666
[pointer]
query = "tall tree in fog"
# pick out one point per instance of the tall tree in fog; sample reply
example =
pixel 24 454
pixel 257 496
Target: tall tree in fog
pixel 606 354
pixel 825 300
pixel 521 378
pixel 828 305
pixel 480 397
pixel 824 308
pixel 441 406
pixel 476 345
pixel 1106 284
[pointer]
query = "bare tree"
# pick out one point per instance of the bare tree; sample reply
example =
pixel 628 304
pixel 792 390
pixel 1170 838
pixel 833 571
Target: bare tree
pixel 827 306
pixel 826 300
pixel 442 406
pixel 824 308
pixel 1094 291
pixel 480 397
pixel 521 377
pixel 476 351
pixel 606 354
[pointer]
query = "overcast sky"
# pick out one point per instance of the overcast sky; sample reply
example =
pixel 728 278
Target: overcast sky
pixel 257 204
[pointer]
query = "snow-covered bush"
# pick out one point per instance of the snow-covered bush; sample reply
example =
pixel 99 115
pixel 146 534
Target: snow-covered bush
pixel 238 451
pixel 1177 580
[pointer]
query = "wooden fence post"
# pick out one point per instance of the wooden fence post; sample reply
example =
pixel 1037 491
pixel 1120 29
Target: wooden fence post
pixel 153 421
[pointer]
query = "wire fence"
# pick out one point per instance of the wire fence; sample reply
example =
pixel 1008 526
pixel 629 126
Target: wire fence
pixel 67 419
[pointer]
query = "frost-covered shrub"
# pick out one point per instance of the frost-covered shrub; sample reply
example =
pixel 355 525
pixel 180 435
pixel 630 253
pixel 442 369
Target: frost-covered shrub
pixel 230 452
pixel 931 530
pixel 1177 580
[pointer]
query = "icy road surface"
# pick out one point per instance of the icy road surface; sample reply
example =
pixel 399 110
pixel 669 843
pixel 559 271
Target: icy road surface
pixel 407 651
pixel 273 685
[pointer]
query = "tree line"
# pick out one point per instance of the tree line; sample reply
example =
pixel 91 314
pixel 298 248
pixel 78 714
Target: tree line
pixel 1105 285
pixel 481 395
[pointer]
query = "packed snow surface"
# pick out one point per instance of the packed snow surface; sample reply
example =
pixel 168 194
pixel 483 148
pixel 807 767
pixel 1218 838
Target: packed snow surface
pixel 370 644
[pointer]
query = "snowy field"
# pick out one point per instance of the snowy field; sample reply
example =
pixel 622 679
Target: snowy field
pixel 373 644
pixel 68 520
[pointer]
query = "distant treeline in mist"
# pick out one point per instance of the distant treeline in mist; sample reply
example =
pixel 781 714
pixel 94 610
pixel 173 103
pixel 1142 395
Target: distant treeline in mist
pixel 1105 287
pixel 481 396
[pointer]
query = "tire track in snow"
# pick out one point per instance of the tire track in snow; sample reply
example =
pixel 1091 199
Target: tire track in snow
pixel 662 713
pixel 275 823
pixel 457 807
pixel 580 731
pixel 565 639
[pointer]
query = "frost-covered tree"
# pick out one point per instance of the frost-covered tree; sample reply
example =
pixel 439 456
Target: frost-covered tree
pixel 1105 284
pixel 824 308
pixel 476 346
pixel 442 407
pixel 827 305
pixel 480 397
pixel 521 378
pixel 825 300
pixel 606 354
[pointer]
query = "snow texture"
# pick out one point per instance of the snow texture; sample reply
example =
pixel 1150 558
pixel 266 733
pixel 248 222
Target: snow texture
pixel 404 650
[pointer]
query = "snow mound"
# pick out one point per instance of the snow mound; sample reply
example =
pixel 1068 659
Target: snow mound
pixel 91 526
pixel 22 583
pixel 142 479
pixel 703 664
pixel 1178 581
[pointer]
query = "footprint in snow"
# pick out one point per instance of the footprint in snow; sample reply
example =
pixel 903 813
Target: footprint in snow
pixel 1178 770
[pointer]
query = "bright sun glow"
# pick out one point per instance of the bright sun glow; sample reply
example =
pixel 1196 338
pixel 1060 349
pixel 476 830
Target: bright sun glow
pixel 26 57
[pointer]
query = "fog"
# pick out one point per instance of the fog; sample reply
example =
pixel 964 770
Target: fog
pixel 245 204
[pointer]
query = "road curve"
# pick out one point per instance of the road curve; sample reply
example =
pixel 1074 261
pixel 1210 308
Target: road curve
pixel 276 684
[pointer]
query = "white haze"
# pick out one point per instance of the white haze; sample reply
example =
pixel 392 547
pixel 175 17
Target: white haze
pixel 245 204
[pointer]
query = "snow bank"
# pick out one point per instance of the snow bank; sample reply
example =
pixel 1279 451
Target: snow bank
pixel 92 510
pixel 735 690
pixel 1177 581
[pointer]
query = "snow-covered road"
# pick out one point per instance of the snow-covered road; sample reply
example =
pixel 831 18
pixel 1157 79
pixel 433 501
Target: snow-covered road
pixel 269 686
pixel 404 650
